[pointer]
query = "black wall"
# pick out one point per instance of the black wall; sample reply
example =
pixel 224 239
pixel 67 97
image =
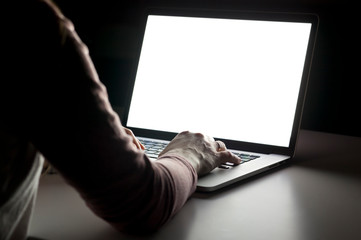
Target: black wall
pixel 110 28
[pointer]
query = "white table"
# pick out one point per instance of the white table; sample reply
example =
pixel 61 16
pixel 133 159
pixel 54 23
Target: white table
pixel 317 196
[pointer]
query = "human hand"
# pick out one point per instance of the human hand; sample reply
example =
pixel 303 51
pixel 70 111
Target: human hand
pixel 135 140
pixel 203 152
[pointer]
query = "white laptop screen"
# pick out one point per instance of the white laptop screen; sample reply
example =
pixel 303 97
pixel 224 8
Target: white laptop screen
pixel 231 79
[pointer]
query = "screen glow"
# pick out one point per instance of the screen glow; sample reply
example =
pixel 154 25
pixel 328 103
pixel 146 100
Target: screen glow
pixel 231 79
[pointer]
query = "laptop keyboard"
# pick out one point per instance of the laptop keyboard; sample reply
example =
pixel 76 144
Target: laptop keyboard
pixel 154 148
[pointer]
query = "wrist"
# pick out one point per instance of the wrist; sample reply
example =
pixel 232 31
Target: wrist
pixel 184 154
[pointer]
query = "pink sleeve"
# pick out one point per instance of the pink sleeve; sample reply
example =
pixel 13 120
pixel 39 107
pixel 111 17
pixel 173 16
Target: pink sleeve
pixel 79 133
pixel 143 203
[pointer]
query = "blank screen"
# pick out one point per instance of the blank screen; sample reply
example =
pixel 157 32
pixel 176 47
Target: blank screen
pixel 227 78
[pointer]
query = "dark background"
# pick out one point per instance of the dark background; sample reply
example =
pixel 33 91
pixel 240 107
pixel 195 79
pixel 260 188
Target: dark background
pixel 111 30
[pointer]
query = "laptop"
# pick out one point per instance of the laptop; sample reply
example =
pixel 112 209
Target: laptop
pixel 239 77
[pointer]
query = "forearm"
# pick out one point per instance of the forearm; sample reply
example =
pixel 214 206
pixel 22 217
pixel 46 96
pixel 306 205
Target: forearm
pixel 142 202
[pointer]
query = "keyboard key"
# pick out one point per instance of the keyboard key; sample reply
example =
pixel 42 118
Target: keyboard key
pixel 153 148
pixel 244 157
pixel 225 167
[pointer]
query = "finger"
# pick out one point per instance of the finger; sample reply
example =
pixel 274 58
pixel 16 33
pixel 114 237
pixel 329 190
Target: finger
pixel 141 145
pixel 220 146
pixel 137 144
pixel 135 141
pixel 227 156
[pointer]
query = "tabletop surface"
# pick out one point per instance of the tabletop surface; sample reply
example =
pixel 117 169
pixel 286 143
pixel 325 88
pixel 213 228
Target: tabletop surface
pixel 315 196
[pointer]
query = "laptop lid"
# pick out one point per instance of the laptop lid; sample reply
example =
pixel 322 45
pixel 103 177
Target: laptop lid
pixel 240 77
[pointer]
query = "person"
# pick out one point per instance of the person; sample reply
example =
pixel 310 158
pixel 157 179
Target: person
pixel 54 105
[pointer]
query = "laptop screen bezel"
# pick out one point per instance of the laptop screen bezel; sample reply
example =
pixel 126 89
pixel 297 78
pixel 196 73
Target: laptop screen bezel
pixel 270 16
